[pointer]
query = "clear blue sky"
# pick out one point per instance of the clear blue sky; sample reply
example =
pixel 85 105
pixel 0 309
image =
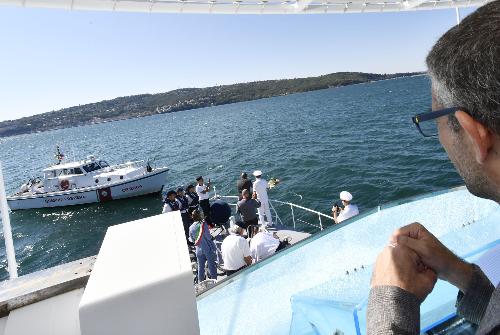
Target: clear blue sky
pixel 52 59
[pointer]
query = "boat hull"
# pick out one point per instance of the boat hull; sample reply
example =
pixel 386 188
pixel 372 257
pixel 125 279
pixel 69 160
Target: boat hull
pixel 149 183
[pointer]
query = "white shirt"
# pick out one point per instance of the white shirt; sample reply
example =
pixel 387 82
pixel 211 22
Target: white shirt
pixel 199 190
pixel 348 212
pixel 234 248
pixel 168 209
pixel 260 186
pixel 263 245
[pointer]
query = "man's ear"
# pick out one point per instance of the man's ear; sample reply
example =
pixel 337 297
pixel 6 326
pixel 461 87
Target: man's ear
pixel 480 136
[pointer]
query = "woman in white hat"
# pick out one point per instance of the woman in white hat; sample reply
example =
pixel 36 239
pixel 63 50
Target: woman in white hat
pixel 349 210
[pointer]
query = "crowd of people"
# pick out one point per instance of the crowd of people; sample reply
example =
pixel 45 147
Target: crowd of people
pixel 247 240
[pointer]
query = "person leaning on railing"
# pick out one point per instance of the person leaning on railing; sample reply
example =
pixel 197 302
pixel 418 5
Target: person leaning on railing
pixel 464 67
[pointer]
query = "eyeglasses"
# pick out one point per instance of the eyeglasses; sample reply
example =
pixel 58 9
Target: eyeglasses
pixel 429 129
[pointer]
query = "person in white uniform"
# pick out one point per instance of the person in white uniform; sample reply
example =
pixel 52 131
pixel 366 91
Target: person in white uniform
pixel 348 211
pixel 260 187
pixel 263 245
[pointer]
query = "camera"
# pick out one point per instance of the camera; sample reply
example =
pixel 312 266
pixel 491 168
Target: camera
pixel 338 205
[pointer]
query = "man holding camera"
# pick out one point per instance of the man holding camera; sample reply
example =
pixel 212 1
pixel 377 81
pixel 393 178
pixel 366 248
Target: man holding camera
pixel 203 192
pixel 348 211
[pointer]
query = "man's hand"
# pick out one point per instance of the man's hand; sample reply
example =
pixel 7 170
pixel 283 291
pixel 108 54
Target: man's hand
pixel 434 254
pixel 254 195
pixel 400 266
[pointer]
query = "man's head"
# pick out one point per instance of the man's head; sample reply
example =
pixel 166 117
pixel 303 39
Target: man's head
pixel 180 192
pixel 257 174
pixel 199 180
pixel 465 73
pixel 244 175
pixel 238 228
pixel 190 188
pixel 245 194
pixel 346 198
pixel 171 195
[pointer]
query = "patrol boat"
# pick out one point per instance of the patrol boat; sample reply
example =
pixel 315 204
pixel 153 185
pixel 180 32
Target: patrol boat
pixel 87 181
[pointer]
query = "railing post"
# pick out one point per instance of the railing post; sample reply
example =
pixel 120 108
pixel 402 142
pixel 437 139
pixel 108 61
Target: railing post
pixel 293 217
pixel 320 224
pixel 7 231
pixel 278 219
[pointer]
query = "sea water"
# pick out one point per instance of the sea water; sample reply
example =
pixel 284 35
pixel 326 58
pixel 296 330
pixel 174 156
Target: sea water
pixel 358 138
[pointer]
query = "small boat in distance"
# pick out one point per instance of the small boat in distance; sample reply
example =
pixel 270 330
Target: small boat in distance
pixel 87 181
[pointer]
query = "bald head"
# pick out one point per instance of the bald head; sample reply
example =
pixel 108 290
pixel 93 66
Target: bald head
pixel 245 194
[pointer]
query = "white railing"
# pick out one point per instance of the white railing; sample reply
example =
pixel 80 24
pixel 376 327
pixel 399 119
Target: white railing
pixel 292 206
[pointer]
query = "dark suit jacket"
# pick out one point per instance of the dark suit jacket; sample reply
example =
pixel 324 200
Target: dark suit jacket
pixel 392 310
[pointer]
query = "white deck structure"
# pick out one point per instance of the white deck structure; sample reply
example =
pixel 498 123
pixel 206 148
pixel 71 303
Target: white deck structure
pixel 249 6
pixel 141 283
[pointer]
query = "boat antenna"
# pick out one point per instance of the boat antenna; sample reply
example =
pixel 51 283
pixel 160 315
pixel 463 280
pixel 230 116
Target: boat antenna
pixel 59 155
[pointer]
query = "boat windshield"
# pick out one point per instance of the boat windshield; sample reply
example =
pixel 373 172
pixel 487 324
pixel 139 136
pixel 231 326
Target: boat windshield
pixel 91 167
pixel 103 164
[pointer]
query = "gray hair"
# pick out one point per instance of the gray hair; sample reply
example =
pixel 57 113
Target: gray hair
pixel 464 67
pixel 234 230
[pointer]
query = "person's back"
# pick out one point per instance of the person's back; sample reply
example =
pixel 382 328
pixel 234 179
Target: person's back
pixel 248 209
pixel 243 184
pixel 263 245
pixel 220 212
pixel 234 249
pixel 260 187
pixel 348 212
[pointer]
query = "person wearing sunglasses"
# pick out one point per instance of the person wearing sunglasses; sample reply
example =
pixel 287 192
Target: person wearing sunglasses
pixel 464 67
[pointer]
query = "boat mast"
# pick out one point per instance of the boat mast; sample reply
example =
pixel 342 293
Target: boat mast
pixel 7 231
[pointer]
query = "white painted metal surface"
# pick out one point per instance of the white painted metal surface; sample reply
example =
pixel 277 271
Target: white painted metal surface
pixel 3 323
pixel 248 6
pixel 7 231
pixel 142 281
pixel 55 316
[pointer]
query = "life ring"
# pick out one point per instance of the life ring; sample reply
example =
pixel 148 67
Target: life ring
pixel 64 184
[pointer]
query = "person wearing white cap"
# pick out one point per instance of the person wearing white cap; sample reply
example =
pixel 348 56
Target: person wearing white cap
pixel 260 187
pixel 349 210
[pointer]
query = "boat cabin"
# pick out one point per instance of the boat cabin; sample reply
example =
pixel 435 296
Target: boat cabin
pixel 74 168
pixel 73 174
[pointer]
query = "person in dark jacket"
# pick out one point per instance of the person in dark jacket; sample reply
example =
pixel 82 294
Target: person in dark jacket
pixel 247 208
pixel 170 203
pixel 193 199
pixel 465 75
pixel 244 184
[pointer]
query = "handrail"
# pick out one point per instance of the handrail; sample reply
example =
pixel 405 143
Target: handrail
pixel 304 208
pixel 292 205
